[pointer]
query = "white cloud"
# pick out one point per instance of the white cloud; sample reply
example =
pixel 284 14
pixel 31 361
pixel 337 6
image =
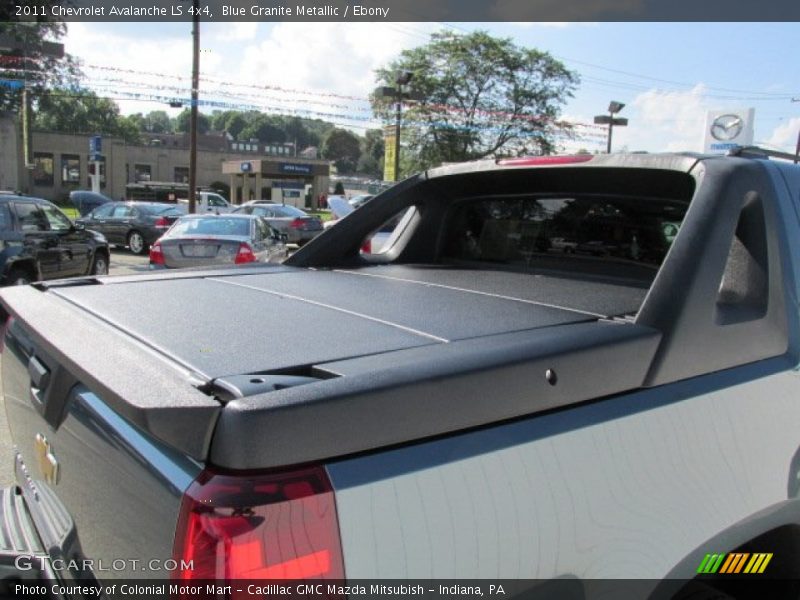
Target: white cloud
pixel 323 56
pixel 239 31
pixel 123 66
pixel 319 68
pixel 784 136
pixel 665 121
pixel 323 70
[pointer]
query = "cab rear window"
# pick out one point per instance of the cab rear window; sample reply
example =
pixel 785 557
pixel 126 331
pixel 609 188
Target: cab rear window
pixel 605 234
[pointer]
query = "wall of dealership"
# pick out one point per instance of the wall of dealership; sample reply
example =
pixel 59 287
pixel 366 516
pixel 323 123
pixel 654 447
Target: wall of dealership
pixel 61 164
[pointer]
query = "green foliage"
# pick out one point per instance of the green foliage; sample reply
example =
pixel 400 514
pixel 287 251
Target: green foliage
pixel 338 189
pixel 343 148
pixel 479 96
pixel 28 63
pixel 232 121
pixel 265 129
pixel 82 111
pixel 184 117
pixel 370 163
pixel 158 121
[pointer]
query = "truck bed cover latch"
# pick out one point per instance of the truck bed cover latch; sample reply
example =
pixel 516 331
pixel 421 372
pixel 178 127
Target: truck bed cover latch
pixel 239 386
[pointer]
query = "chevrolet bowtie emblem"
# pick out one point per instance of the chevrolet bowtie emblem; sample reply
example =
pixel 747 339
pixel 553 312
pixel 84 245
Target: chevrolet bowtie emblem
pixel 48 465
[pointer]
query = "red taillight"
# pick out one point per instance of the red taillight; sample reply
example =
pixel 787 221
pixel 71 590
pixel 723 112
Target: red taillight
pixel 259 526
pixel 156 254
pixel 244 255
pixel 366 247
pixel 162 223
pixel 531 161
pixel 297 223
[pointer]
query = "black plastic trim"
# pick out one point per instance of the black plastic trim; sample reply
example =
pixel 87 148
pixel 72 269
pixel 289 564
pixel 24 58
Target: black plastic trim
pixel 417 393
pixel 148 389
pixel 684 300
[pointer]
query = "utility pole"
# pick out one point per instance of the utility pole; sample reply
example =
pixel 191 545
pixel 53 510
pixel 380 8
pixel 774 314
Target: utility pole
pixel 193 111
pixel 613 108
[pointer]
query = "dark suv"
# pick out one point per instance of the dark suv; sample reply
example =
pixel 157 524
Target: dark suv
pixel 38 241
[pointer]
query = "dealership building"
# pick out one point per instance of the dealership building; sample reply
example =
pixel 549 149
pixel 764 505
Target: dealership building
pixel 59 163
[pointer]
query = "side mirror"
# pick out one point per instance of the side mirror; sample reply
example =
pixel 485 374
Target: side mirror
pixel 78 226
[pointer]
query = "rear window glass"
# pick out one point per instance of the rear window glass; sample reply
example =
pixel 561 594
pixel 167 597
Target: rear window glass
pixel 211 226
pixel 629 236
pixel 288 211
pixel 164 209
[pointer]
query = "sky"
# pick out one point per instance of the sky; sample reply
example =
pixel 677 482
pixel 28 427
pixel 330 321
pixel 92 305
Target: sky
pixel 667 74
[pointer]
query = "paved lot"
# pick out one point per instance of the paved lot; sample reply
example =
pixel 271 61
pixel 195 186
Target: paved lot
pixel 125 263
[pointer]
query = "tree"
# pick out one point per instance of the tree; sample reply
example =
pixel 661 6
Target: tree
pixel 370 162
pixel 263 128
pixel 82 111
pixel 232 121
pixel 158 121
pixel 479 96
pixel 338 189
pixel 343 148
pixel 32 67
pixel 299 134
pixel 183 119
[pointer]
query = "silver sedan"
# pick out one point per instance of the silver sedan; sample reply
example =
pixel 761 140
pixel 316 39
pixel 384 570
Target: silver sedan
pixel 209 240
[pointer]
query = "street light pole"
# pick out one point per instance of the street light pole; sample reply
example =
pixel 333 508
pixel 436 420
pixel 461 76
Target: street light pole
pixel 403 78
pixel 193 112
pixel 398 118
pixel 613 108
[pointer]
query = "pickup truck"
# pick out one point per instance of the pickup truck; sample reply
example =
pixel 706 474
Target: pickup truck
pixel 208 202
pixel 469 404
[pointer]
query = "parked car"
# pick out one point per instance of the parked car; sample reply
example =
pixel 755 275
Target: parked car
pixel 565 245
pixel 86 201
pixel 132 224
pixel 299 226
pixel 38 241
pixel 196 240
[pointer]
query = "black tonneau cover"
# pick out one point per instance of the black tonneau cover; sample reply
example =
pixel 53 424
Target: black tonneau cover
pixel 276 321
pixel 183 338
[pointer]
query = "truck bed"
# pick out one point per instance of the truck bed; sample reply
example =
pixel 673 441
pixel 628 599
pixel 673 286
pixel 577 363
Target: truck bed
pixel 358 334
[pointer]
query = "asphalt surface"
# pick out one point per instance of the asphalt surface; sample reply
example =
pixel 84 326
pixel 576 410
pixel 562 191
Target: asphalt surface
pixel 122 263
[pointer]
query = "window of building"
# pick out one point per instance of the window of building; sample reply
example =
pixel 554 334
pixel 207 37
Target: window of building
pixel 142 173
pixel 42 169
pixel 181 175
pixel 70 169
